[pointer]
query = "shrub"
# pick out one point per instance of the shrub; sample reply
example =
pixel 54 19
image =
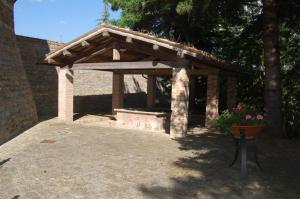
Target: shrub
pixel 242 115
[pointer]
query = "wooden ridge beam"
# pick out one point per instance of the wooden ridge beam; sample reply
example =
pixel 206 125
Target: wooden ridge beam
pixel 126 65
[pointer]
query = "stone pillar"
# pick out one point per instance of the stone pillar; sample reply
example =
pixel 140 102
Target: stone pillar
pixel 231 92
pixel 151 91
pixel 65 94
pixel 212 99
pixel 118 91
pixel 180 103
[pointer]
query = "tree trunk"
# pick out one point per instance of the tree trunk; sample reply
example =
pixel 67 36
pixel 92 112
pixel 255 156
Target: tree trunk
pixel 273 90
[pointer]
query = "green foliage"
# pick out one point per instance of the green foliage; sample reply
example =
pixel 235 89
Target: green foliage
pixel 231 29
pixel 290 59
pixel 184 7
pixel 224 121
pixel 243 115
pixel 105 14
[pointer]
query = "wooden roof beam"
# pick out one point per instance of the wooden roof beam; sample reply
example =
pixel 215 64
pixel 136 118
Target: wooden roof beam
pixel 151 65
pixel 158 72
pixel 67 53
pixel 92 52
pixel 53 61
pixel 129 39
pixel 85 44
pixel 105 33
pixel 155 47
pixel 148 51
pixel 99 52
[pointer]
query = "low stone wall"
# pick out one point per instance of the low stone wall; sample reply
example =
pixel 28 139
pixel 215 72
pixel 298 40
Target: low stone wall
pixel 143 120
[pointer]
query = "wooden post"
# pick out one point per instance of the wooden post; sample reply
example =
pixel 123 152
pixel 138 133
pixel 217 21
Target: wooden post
pixel 231 92
pixel 212 100
pixel 116 52
pixel 118 82
pixel 65 94
pixel 118 91
pixel 180 102
pixel 151 91
pixel 192 97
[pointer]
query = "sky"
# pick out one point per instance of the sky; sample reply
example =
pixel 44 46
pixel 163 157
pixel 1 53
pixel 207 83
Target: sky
pixel 58 20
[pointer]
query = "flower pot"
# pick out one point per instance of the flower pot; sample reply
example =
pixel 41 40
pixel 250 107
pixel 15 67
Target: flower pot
pixel 250 131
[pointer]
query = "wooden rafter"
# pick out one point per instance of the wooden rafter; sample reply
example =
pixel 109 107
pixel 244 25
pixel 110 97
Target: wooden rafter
pixel 67 53
pixel 90 53
pixel 99 52
pixel 148 51
pixel 85 44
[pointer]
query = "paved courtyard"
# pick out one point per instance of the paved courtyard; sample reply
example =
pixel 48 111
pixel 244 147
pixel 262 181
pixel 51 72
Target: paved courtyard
pixel 54 160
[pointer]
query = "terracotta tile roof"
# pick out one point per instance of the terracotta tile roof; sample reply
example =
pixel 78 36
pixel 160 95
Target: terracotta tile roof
pixel 200 55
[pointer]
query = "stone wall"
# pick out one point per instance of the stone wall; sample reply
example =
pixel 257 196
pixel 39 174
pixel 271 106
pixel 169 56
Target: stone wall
pixel 92 89
pixel 17 108
pixel 42 78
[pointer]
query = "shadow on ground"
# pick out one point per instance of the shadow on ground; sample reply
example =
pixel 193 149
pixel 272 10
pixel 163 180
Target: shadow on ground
pixel 206 174
pixel 4 161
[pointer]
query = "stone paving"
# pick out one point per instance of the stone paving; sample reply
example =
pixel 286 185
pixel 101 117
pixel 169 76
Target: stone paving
pixel 54 160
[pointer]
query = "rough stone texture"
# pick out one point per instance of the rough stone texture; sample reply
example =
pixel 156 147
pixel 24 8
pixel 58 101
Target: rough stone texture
pixel 66 95
pixel 212 98
pixel 79 161
pixel 100 83
pixel 92 89
pixel 17 108
pixel 231 92
pixel 180 103
pixel 42 78
pixel 159 122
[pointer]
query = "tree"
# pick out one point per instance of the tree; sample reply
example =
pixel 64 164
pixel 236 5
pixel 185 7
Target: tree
pixel 247 32
pixel 105 14
pixel 273 87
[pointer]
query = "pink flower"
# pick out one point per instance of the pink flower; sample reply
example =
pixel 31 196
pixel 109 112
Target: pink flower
pixel 239 107
pixel 248 117
pixel 259 117
pixel 226 111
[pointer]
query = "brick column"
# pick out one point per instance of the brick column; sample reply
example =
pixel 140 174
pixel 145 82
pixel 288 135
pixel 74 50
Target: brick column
pixel 65 94
pixel 118 91
pixel 212 100
pixel 180 103
pixel 231 92
pixel 151 91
